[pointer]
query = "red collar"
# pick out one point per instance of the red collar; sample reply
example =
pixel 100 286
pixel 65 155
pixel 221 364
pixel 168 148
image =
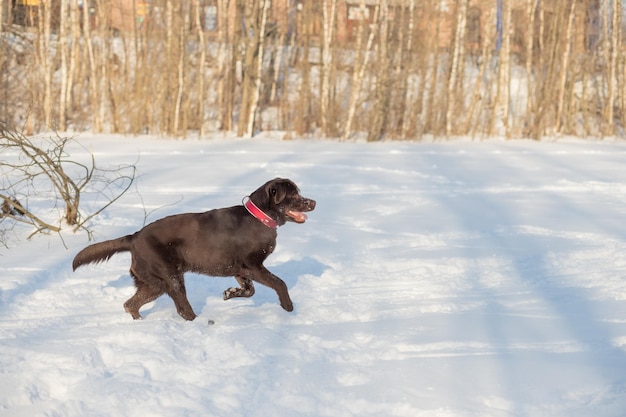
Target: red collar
pixel 259 214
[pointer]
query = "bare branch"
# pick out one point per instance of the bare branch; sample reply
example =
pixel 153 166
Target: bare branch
pixel 42 167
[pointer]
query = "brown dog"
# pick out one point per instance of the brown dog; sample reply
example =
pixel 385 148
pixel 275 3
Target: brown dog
pixel 232 241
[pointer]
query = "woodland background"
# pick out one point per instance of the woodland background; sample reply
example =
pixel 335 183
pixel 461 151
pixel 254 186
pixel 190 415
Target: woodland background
pixel 392 69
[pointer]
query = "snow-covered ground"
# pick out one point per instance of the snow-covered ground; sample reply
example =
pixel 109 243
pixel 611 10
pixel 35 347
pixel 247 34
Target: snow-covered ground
pixel 444 279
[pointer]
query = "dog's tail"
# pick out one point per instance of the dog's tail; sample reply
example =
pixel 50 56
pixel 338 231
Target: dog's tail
pixel 99 252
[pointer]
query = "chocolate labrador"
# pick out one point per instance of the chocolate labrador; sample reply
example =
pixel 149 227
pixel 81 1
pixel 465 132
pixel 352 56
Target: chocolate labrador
pixel 233 241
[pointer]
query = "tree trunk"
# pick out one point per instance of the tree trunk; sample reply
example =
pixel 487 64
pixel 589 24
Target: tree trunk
pixel 63 36
pixel 531 7
pixel 226 63
pixel 501 108
pixel 540 82
pixel 74 52
pixel 479 99
pixel 621 68
pixel 201 66
pixel 279 52
pixel 457 67
pixel 255 22
pixel 181 72
pixel 251 14
pixel 329 11
pixel 93 74
pixel 612 43
pixel 169 73
pixel 565 66
pixel 431 79
pixel 303 115
pixel 257 68
pixel 406 106
pixel 44 25
pixel 382 88
pixel 360 63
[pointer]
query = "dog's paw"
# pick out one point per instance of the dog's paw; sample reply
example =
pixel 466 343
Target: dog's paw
pixel 187 315
pixel 230 293
pixel 238 292
pixel 287 306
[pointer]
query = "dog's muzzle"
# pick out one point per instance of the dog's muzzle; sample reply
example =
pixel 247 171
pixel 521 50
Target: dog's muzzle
pixel 297 213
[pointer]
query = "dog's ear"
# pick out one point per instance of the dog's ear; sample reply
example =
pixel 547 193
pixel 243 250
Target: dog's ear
pixel 276 192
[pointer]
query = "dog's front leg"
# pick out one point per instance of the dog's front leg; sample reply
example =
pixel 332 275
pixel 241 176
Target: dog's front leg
pixel 265 277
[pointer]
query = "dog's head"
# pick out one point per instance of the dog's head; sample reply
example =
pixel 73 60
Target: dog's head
pixel 281 200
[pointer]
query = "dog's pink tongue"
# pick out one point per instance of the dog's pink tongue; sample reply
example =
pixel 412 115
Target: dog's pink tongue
pixel 298 216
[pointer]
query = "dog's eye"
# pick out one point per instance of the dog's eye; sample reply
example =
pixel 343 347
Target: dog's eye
pixel 273 191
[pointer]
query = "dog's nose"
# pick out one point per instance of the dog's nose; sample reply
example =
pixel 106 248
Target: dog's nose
pixel 310 204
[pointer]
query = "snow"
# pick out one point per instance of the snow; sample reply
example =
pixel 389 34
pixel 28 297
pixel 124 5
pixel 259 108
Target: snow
pixel 433 279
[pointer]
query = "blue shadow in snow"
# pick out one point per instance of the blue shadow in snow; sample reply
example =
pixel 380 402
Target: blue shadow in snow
pixel 292 269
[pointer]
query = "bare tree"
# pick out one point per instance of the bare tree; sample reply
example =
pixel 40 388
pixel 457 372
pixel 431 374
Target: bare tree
pixel 170 66
pixel 256 67
pixel 166 74
pixel 383 81
pixel 44 164
pixel 611 53
pixel 201 65
pixel 361 60
pixel 618 44
pixel 303 105
pixel 181 73
pixel 92 74
pixel 44 58
pixel 255 23
pixel 408 63
pixel 430 120
pixel 565 64
pixel 537 113
pixel 74 75
pixel 63 35
pixel 456 70
pixel 531 11
pixel 226 62
pixel 481 93
pixel 329 13
pixel 501 108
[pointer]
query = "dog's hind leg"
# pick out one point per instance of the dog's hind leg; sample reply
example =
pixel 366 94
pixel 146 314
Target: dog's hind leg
pixel 246 290
pixel 144 295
